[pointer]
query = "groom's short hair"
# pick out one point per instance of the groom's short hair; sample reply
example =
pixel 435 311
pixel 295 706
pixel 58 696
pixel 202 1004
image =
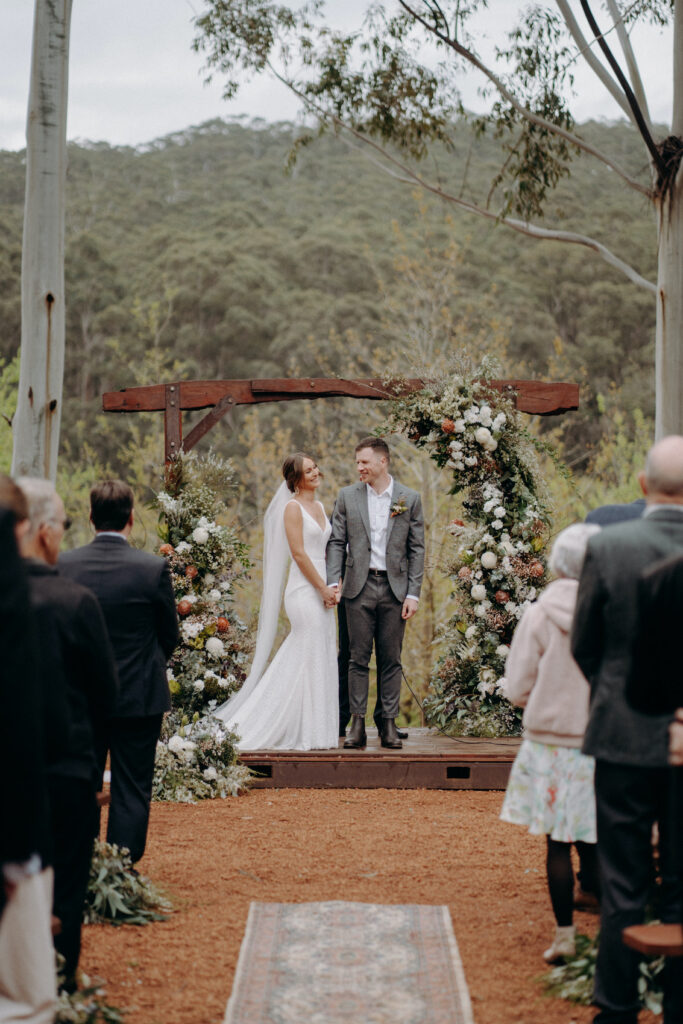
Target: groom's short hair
pixel 377 443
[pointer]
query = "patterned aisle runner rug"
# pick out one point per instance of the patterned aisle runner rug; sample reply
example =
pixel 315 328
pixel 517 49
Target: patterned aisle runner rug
pixel 349 963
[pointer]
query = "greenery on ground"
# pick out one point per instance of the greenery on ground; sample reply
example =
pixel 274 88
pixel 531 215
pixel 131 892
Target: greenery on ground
pixel 87 1006
pixel 573 980
pixel 117 894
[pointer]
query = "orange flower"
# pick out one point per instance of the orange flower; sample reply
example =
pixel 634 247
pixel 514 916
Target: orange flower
pixel 222 624
pixel 502 596
pixel 184 607
pixel 457 522
pixel 191 572
pixel 536 570
pixel 166 549
pixel 448 426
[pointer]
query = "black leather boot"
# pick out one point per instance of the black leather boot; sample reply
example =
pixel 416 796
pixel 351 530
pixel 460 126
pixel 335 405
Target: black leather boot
pixel 356 738
pixel 390 737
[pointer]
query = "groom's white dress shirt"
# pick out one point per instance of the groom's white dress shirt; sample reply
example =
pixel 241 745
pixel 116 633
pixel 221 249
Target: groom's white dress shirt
pixel 379 509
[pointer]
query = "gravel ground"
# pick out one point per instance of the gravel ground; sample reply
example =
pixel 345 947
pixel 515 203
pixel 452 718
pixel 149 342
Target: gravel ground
pixel 375 846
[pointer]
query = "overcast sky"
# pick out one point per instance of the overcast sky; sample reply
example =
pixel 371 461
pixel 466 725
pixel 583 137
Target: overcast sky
pixel 134 76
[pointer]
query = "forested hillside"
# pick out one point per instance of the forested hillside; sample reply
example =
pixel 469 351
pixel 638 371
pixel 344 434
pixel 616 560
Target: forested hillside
pixel 199 256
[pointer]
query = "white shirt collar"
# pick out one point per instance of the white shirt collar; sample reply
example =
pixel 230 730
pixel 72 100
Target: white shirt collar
pixel 387 490
pixel 664 506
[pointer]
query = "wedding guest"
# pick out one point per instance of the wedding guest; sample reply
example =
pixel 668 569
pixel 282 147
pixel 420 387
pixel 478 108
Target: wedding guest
pixel 136 595
pixel 630 748
pixel 91 687
pixel 608 515
pixel 27 968
pixel 551 782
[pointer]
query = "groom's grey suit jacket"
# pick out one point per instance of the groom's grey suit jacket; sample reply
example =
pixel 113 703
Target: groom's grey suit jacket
pixel 405 542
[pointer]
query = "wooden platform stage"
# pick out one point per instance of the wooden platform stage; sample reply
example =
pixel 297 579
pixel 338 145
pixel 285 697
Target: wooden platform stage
pixel 428 760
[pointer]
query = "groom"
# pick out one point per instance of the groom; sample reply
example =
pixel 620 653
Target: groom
pixel 378 525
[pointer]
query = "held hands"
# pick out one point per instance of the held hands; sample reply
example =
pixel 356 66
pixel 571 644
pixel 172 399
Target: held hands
pixel 676 739
pixel 409 608
pixel 329 596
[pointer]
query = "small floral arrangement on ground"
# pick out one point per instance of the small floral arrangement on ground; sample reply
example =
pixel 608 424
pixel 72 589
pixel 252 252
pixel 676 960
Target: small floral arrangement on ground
pixel 573 980
pixel 197 760
pixel 497 559
pixel 86 1005
pixel 207 561
pixel 117 894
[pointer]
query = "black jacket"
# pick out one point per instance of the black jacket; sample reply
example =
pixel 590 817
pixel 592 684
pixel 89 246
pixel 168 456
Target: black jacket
pixel 87 659
pixel 655 685
pixel 136 596
pixel 605 623
pixel 23 792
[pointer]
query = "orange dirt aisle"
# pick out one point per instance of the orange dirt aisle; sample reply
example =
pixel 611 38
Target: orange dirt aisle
pixel 375 846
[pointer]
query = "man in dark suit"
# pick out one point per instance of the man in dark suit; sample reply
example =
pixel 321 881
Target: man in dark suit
pixel 608 515
pixel 380 522
pixel 90 687
pixel 630 748
pixel 136 595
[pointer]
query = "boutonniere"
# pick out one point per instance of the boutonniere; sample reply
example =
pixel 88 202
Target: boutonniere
pixel 398 508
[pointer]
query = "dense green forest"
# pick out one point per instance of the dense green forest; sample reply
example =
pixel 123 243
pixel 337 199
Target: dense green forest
pixel 199 255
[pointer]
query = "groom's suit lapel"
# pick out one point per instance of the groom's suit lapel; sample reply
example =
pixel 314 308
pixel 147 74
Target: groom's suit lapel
pixel 362 492
pixel 395 496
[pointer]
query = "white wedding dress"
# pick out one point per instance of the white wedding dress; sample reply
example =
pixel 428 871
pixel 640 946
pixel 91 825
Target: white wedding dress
pixel 293 704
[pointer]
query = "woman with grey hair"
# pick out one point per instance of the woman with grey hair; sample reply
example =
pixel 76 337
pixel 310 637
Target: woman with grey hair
pixel 551 783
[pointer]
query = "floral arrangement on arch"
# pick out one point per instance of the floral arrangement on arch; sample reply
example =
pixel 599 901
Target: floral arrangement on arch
pixel 497 562
pixel 207 561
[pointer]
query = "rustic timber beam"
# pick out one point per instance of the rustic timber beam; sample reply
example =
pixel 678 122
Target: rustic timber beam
pixel 531 396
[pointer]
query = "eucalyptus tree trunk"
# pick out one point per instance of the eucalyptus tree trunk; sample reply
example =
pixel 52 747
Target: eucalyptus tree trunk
pixel 669 337
pixel 39 404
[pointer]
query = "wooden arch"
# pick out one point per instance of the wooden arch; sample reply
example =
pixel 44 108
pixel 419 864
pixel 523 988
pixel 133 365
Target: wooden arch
pixel 220 396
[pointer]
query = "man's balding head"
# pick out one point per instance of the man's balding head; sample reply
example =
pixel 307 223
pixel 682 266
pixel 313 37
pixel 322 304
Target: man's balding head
pixel 662 479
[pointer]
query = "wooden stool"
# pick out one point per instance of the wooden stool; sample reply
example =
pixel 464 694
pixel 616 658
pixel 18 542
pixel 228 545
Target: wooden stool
pixel 655 939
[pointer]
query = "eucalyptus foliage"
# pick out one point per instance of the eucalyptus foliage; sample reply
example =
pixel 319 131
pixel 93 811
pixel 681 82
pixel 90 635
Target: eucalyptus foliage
pixel 117 894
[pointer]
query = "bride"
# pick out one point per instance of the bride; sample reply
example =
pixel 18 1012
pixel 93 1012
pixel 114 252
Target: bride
pixel 292 704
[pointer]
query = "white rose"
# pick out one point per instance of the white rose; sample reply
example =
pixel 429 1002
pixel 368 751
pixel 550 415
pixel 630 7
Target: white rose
pixel 500 685
pixel 223 683
pixel 470 632
pixel 471 414
pixel 511 607
pixel 459 426
pixel 491 445
pixel 482 435
pixel 478 592
pixel 214 595
pixel 183 547
pixel 209 579
pixel 489 560
pixel 485 415
pixel 497 524
pixel 502 651
pixel 500 512
pixel 488 505
pixel 471 460
pixel 204 522
pixel 215 647
pixel 480 611
pixel 198 685
pixel 500 419
pixel 176 744
pixel 200 535
pixel 210 773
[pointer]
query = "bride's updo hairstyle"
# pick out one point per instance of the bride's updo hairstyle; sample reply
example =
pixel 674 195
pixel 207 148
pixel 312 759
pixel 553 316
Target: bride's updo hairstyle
pixel 293 469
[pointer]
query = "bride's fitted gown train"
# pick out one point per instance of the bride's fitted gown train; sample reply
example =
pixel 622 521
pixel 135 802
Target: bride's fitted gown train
pixel 295 703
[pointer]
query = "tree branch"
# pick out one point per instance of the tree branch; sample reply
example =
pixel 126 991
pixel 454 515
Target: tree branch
pixel 632 101
pixel 586 51
pixel 575 140
pixel 408 176
pixel 631 63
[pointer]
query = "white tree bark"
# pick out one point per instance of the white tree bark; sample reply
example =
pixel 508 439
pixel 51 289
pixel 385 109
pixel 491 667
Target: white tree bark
pixel 669 335
pixel 39 406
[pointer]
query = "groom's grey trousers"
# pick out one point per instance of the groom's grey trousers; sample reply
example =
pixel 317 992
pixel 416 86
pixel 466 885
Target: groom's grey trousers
pixel 374 616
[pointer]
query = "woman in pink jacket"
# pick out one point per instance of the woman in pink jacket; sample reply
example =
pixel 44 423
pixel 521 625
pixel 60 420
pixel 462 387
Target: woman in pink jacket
pixel 551 783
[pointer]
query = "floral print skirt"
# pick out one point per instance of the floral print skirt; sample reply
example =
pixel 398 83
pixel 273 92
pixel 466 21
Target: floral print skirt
pixel 551 790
